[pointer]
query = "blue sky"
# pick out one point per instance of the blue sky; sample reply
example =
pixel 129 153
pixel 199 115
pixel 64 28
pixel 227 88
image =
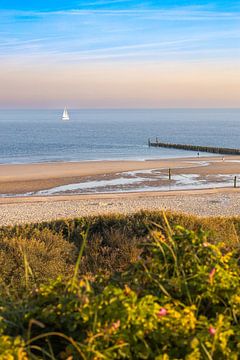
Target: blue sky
pixel 38 36
pixel 119 30
pixel 48 5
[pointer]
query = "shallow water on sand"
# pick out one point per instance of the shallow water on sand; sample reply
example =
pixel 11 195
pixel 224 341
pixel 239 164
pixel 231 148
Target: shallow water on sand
pixel 140 181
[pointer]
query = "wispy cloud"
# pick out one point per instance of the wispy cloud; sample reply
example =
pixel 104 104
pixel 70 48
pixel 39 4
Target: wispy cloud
pixel 82 35
pixel 180 14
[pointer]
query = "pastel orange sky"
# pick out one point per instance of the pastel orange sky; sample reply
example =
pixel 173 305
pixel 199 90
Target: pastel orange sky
pixel 122 85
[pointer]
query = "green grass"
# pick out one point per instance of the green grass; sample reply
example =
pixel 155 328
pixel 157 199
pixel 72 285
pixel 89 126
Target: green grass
pixel 124 287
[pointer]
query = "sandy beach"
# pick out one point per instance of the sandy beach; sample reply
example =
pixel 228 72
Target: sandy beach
pixel 17 179
pixel 217 202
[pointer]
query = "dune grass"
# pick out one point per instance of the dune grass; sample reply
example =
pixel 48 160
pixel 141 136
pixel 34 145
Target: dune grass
pixel 143 286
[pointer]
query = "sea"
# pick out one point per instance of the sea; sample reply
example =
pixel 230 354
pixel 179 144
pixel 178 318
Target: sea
pixel 34 136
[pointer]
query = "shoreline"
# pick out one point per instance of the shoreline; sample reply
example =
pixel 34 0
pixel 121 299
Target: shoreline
pixel 105 160
pixel 26 178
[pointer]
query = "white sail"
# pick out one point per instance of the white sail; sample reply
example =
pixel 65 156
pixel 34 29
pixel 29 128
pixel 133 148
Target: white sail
pixel 65 115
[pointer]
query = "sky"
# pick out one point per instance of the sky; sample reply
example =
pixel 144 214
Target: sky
pixel 119 54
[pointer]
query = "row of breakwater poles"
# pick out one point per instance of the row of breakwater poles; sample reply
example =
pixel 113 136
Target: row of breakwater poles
pixel 208 149
pixel 170 178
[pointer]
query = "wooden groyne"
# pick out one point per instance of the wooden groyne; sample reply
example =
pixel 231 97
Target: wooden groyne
pixel 208 149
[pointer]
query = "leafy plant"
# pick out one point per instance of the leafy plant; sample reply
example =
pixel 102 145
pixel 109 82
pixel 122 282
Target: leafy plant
pixel 180 300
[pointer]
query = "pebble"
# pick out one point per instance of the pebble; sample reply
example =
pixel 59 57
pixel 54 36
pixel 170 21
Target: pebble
pixel 217 204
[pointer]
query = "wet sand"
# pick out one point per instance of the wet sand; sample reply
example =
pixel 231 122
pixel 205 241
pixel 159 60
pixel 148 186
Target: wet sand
pixel 18 179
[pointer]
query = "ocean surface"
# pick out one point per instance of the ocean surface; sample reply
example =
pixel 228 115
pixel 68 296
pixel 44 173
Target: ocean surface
pixel 31 136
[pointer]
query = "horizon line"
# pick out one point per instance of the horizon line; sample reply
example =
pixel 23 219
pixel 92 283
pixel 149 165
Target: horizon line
pixel 124 108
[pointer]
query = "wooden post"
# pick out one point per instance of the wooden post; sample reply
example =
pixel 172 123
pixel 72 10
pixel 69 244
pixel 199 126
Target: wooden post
pixel 235 181
pixel 169 174
pixel 149 142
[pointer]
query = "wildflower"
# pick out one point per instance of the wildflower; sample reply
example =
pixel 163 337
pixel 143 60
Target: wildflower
pixel 111 329
pixel 211 275
pixel 127 290
pixel 82 284
pixel 162 312
pixel 212 330
pixel 206 244
pixel 116 325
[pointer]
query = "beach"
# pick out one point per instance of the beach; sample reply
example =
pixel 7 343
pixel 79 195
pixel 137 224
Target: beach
pixel 24 178
pixel 18 179
pixel 217 202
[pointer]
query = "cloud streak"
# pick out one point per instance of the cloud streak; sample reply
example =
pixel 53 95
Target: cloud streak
pixel 180 14
pixel 182 46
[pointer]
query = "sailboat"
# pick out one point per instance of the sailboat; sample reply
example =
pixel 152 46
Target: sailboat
pixel 65 115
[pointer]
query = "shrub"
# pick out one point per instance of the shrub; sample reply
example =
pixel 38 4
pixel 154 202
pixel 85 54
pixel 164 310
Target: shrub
pixel 180 300
pixel 47 254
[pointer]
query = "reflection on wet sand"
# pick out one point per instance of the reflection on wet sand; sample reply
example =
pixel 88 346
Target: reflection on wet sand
pixel 146 180
pixel 193 176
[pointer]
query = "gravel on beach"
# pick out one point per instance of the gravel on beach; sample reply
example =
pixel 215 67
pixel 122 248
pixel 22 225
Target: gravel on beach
pixel 211 204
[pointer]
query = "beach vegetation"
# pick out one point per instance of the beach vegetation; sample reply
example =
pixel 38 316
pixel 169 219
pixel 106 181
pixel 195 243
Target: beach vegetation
pixel 146 286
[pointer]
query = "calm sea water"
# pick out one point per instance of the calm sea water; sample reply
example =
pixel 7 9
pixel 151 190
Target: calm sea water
pixel 29 136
